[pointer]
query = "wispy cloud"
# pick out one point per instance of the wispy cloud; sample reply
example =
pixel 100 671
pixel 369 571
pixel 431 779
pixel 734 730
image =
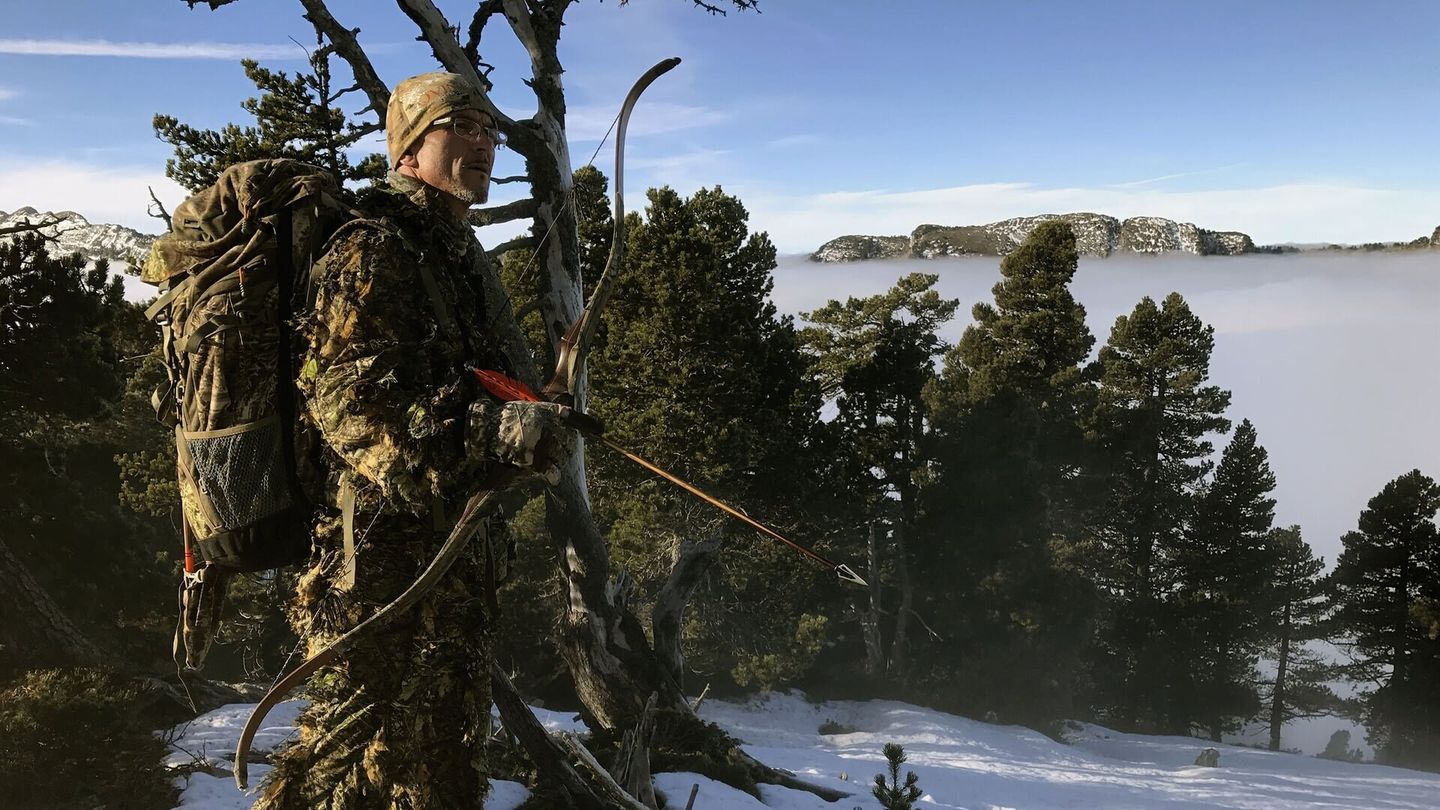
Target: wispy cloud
pixel 10 120
pixel 150 50
pixel 7 93
pixel 1162 178
pixel 792 141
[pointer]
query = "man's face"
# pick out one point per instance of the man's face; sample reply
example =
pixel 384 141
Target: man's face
pixel 456 163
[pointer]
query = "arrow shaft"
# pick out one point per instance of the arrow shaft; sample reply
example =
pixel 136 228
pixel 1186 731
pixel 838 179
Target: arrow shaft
pixel 717 503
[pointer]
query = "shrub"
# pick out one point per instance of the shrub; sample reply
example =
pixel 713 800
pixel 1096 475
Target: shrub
pixel 75 738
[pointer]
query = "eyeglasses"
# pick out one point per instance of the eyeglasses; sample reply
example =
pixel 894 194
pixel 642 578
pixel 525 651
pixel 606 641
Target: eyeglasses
pixel 471 130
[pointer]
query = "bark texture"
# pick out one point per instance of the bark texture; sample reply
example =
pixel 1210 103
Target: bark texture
pixel 667 618
pixel 34 631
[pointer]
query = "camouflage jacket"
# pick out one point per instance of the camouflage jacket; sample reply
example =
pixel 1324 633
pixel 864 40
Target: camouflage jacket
pixel 400 310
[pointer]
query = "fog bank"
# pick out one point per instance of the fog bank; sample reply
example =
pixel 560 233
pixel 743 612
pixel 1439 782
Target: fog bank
pixel 1332 356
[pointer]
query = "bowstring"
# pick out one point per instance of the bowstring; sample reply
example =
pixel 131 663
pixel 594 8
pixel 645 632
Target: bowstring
pixel 570 202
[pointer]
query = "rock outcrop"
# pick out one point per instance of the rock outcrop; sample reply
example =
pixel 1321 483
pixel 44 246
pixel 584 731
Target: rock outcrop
pixel 1095 234
pixel 859 248
pixel 73 233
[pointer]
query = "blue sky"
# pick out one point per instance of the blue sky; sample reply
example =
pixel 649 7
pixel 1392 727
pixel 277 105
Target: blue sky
pixel 1291 121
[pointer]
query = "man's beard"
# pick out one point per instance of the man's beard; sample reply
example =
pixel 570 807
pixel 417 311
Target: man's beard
pixel 464 193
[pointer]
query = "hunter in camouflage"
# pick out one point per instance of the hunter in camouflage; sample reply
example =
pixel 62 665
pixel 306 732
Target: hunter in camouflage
pixel 404 300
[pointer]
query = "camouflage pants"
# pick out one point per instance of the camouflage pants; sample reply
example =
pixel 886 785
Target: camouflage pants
pixel 400 720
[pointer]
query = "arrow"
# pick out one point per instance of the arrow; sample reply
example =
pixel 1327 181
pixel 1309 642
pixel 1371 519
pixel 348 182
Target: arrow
pixel 509 389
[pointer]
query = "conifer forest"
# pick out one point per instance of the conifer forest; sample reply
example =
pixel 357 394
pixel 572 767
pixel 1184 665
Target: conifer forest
pixel 1051 524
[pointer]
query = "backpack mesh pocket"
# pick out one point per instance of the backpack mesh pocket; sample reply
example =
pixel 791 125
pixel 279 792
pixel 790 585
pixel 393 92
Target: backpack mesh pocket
pixel 241 471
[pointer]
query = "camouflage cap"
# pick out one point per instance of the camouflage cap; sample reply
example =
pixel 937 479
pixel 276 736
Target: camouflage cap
pixel 418 101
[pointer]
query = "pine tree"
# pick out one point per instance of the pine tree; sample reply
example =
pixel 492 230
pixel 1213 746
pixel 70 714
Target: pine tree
pixel 1388 567
pixel 1004 503
pixel 893 794
pixel 876 355
pixel 66 336
pixel 696 370
pixel 1223 567
pixel 1151 425
pixel 1298 608
pixel 294 118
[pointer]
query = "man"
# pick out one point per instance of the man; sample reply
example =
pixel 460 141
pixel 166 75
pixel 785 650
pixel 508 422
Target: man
pixel 405 301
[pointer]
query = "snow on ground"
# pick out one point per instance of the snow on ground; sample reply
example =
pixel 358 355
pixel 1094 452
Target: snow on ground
pixel 961 763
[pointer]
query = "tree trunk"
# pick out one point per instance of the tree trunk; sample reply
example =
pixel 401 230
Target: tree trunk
pixel 1277 700
pixel 667 618
pixel 874 644
pixel 899 652
pixel 34 632
pixel 601 641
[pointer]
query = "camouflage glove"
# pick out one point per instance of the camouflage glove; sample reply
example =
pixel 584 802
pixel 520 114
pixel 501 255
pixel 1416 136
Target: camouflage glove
pixel 534 436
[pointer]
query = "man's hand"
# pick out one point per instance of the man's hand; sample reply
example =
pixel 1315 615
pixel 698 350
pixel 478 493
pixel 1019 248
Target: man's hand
pixel 534 436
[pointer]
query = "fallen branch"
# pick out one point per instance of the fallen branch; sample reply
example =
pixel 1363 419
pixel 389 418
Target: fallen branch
pixel 550 760
pixel 616 795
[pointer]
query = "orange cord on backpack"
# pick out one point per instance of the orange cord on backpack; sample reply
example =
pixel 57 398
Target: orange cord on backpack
pixel 189 551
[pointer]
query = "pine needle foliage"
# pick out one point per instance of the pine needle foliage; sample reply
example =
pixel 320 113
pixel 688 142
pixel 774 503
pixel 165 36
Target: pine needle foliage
pixel 295 117
pixel 893 794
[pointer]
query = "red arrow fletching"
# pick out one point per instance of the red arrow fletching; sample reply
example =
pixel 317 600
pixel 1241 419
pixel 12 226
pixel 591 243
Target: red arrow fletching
pixel 505 388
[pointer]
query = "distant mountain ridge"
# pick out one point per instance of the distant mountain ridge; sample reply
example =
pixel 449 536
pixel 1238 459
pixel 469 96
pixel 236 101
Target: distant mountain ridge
pixel 1095 234
pixel 75 233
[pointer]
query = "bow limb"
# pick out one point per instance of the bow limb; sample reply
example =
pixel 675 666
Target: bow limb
pixel 570 364
pixel 480 506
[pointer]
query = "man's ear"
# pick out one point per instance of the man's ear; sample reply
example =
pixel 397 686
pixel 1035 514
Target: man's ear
pixel 409 165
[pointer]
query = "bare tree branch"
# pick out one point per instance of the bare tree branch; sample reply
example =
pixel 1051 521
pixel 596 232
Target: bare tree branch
pixel 483 13
pixel 520 209
pixel 549 758
pixel 156 208
pixel 438 34
pixel 344 41
pixel 692 560
pixel 742 5
pixel 615 795
pixel 49 221
pixel 517 243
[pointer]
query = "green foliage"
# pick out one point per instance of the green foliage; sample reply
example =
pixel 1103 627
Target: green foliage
pixel 57 347
pixel 1003 511
pixel 1338 748
pixel 595 223
pixel 76 738
pixel 893 794
pixel 295 118
pixel 1152 419
pixel 768 670
pixel 1390 564
pixel 875 355
pixel 1298 611
pixel 67 342
pixel 694 369
pixel 1223 568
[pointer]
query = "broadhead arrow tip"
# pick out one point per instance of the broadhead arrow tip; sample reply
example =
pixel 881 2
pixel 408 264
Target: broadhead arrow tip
pixel 843 571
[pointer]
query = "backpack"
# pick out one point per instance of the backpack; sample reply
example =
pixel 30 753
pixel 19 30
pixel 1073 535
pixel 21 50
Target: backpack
pixel 232 272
